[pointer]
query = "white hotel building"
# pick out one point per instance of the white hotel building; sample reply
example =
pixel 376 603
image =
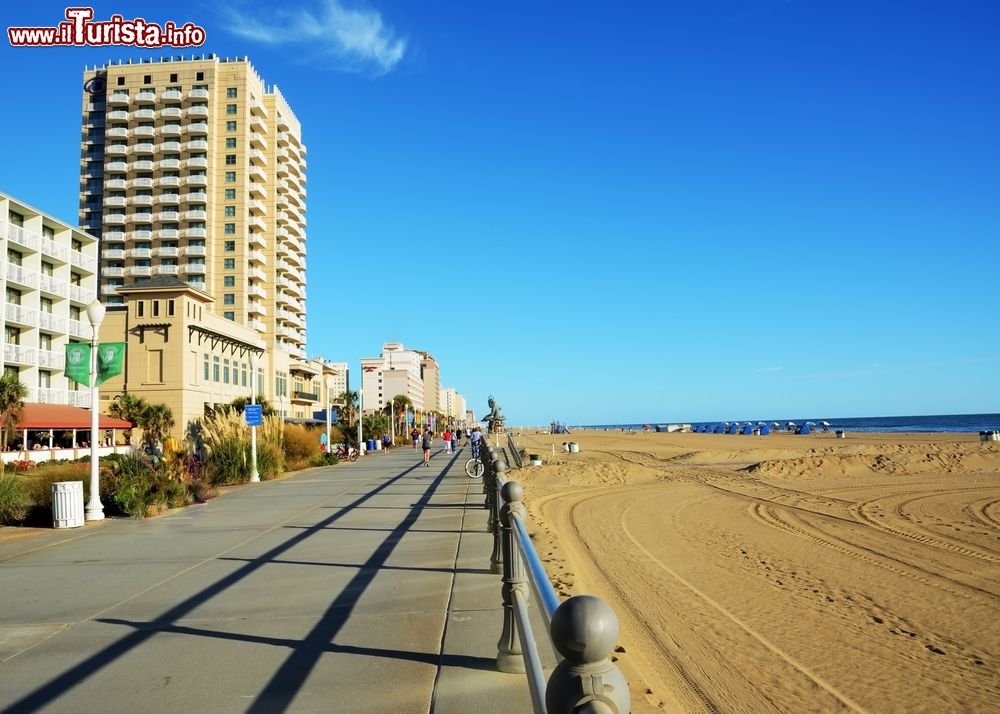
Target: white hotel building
pixel 49 277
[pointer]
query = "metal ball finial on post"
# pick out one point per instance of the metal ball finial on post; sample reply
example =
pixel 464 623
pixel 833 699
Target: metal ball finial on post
pixel 509 653
pixel 584 630
pixel 499 473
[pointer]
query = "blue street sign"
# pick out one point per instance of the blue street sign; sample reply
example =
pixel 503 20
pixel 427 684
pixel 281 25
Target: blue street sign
pixel 253 414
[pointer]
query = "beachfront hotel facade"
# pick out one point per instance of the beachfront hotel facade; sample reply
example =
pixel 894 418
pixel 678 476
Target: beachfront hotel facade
pixel 397 371
pixel 195 169
pixel 49 277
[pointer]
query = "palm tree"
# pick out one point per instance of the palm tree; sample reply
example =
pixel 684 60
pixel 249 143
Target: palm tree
pixel 12 396
pixel 128 407
pixel 156 420
pixel 401 404
pixel 348 401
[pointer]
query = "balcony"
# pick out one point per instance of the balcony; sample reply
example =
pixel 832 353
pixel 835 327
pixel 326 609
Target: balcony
pixel 284 267
pixel 77 328
pixel 172 95
pixel 257 239
pixel 144 148
pixel 142 200
pixel 197 281
pixel 282 138
pixel 140 271
pixel 82 261
pixel 304 397
pixel 257 124
pixel 256 256
pixel 115 201
pixel 257 140
pixel 20 276
pixel 116 167
pixel 114 272
pixel 257 222
pixel 197 112
pixel 170 130
pixel 257 291
pixel 197 145
pixel 195 268
pixel 142 235
pixel 171 113
pixel 257 308
pixel 116 219
pixel 146 114
pixel 169 198
pixel 198 94
pixel 48 321
pixel 53 286
pixel 116 150
pixel 142 253
pixel 119 98
pixel 142 183
pixel 194 232
pixel 112 236
pixel 257 189
pixel 192 250
pixel 197 163
pixel 257 206
pixel 16 354
pixel 174 181
pixel 198 127
pixel 169 233
pixel 258 156
pixel 257 171
pixel 258 325
pixel 196 180
pixel 256 273
pixel 145 97
pixel 143 165
pixel 166 270
pixel 170 164
pixel 170 147
pixel 21 315
pixel 195 215
pixel 142 217
pixel 113 254
pixel 110 289
pixel 168 216
pixel 167 252
pixel 117 132
pixel 81 295
pixel 144 131
pixel 196 197
pixel 118 115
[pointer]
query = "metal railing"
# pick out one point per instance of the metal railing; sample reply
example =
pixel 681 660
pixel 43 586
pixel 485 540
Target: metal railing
pixel 583 629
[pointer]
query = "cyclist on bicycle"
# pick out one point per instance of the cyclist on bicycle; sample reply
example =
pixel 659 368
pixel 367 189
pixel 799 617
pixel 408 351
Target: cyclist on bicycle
pixel 476 438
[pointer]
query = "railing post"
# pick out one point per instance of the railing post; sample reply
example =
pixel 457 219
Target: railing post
pixel 489 460
pixel 509 656
pixel 496 557
pixel 585 630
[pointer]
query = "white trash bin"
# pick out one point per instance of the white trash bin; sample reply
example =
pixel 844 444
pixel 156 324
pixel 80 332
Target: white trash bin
pixel 574 448
pixel 67 504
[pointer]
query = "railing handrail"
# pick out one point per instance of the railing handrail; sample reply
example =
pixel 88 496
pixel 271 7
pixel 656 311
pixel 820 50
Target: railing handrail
pixel 583 630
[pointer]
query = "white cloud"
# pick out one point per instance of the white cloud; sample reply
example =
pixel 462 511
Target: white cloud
pixel 357 39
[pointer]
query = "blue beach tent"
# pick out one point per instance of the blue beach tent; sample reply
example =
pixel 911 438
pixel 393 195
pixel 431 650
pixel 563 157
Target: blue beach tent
pixel 719 429
pixel 765 430
pixel 804 429
pixel 734 429
pixel 747 429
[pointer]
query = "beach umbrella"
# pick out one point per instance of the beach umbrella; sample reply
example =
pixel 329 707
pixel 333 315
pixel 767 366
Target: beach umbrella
pixel 810 423
pixel 824 423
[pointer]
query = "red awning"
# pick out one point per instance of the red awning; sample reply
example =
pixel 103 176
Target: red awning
pixel 63 416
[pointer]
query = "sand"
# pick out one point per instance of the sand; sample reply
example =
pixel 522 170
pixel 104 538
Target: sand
pixel 783 573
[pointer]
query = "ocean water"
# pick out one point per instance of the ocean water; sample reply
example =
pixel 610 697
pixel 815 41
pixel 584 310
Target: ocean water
pixel 930 423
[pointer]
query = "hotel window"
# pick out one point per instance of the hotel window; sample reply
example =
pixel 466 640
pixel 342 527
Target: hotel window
pixel 215 368
pixel 45 305
pixel 229 299
pixel 230 229
pixel 243 366
pixel 230 92
pixel 47 268
pixel 12 335
pixel 14 296
pixel 230 159
pixel 231 142
pixel 200 77
pixel 229 282
pixel 230 245
pixel 44 379
pixel 138 308
pixel 230 211
pixel 225 371
pixel 121 81
pixel 228 264
pixel 229 315
pixel 156 308
pixel 147 79
pixel 47 232
pixel 13 257
pixel 173 78
pixel 230 126
pixel 170 308
pixel 230 194
pixel 205 367
pixel 74 312
pixel 230 109
pixel 230 177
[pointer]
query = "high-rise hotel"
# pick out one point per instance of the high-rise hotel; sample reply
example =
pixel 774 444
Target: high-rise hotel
pixel 195 169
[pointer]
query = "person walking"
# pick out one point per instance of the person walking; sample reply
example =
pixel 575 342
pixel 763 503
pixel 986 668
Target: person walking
pixel 446 437
pixel 455 435
pixel 415 436
pixel 428 438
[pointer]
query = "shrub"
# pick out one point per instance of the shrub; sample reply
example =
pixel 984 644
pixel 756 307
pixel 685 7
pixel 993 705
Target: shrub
pixel 130 483
pixel 40 480
pixel 14 502
pixel 300 446
pixel 227 446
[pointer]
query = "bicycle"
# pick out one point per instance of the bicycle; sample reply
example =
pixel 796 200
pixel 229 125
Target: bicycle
pixel 474 468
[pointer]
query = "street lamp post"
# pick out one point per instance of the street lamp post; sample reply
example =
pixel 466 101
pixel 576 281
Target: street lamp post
pixel 361 412
pixel 95 509
pixel 254 475
pixel 329 405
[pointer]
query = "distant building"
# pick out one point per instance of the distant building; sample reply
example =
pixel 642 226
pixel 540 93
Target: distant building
pixel 49 278
pixel 396 371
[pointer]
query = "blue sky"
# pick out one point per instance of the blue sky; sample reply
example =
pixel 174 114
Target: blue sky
pixel 603 212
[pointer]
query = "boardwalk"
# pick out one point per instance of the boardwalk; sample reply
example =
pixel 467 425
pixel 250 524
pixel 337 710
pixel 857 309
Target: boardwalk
pixel 359 588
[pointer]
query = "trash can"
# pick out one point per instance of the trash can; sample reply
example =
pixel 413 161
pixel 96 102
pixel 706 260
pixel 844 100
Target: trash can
pixel 370 445
pixel 67 504
pixel 574 448
pixel 840 434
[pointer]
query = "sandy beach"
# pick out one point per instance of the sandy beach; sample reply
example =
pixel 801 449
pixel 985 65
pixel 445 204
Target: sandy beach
pixel 783 573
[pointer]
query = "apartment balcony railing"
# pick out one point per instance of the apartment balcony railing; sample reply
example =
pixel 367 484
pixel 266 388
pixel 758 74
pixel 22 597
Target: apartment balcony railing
pixel 142 235
pixel 170 146
pixel 78 328
pixel 115 219
pixel 53 286
pixel 196 250
pixel 118 98
pixel 168 216
pixel 140 271
pixel 116 201
pixel 257 240
pixel 169 198
pixel 48 321
pixel 116 184
pixel 174 181
pixel 142 200
pixel 198 94
pixel 116 150
pixel 21 276
pixel 171 113
pixel 111 236
pixel 20 315
pixel 169 233
pixel 81 295
pixel 257 124
pixel 257 189
pixel 257 222
pixel 195 268
pixel 16 354
pixel 167 252
pixel 142 183
pixel 84 262
pixel 196 197
pixel 172 95
pixel 170 164
pixel 256 256
pixel 144 114
pixel 116 132
pixel 197 145
pixel 196 215
pixel 144 148
pixel 257 291
pixel 197 111
pixel 142 217
pixel 166 270
pixel 116 167
pixel 146 97
pixel 171 130
pixel 256 273
pixel 143 165
pixel 114 272
pixel 307 397
pixel 196 180
pixel 113 254
pixel 145 131
pixel 195 232
pixel 257 206
pixel 140 253
pixel 198 127
pixel 257 140
pixel 110 288
pixel 197 163
pixel 117 115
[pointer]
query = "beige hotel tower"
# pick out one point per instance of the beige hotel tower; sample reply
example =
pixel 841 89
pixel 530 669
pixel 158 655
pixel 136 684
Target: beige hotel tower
pixel 194 169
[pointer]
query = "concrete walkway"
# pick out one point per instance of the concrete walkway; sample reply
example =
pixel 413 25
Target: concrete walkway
pixel 359 588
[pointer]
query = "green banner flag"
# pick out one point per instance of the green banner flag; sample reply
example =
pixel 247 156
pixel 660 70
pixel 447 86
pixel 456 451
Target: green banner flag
pixel 78 363
pixel 110 357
